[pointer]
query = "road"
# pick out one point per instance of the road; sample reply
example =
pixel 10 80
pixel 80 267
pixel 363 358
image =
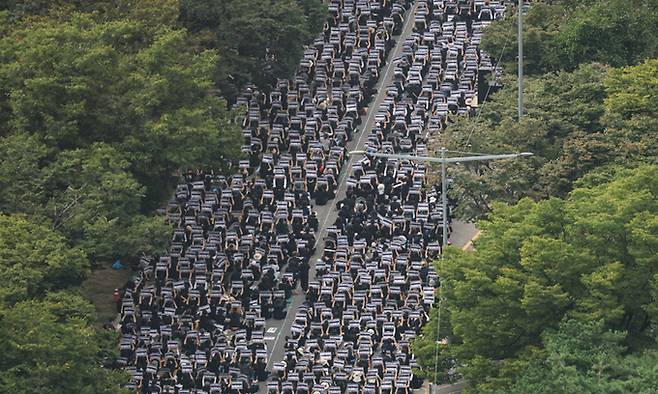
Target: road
pixel 276 330
pixel 463 234
pixel 448 388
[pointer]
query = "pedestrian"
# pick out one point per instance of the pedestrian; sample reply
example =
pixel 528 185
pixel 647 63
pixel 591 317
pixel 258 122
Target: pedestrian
pixel 303 274
pixel 313 221
pixel 116 297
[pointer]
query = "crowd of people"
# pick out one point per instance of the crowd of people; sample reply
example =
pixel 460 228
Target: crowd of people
pixel 194 320
pixel 374 285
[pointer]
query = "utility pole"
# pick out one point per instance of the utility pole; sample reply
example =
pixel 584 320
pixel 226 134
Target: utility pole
pixel 444 180
pixel 520 56
pixel 444 199
pixel 444 205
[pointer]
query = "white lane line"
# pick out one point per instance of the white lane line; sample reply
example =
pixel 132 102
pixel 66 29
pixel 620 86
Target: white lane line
pixel 372 111
pixel 380 95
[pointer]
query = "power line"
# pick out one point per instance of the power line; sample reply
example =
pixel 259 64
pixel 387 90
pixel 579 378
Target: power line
pixel 468 139
pixel 499 61
pixel 444 209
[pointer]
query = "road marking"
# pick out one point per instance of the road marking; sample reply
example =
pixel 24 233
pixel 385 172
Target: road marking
pixel 407 27
pixel 271 330
pixel 469 244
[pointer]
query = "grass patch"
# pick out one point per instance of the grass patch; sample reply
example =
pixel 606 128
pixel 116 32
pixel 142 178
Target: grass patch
pixel 98 289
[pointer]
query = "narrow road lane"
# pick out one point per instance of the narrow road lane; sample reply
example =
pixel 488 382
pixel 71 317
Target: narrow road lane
pixel 276 330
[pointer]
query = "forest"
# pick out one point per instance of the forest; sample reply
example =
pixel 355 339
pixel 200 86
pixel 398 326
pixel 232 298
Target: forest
pixel 560 292
pixel 93 96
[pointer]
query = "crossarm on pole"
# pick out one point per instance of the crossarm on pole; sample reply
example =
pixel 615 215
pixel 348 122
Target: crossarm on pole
pixel 441 160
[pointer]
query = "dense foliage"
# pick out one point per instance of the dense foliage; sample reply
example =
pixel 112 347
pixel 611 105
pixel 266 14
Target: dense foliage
pixel 103 104
pixel 561 292
pixel 563 34
pixel 574 123
pixel 50 346
pixel 591 257
pixel 90 111
pixel 35 259
pixel 585 357
pixel 258 40
pixel 93 95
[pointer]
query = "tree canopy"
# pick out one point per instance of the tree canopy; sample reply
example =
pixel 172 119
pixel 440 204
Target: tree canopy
pixel 258 40
pixel 35 259
pixel 585 357
pixel 77 82
pixel 89 112
pixel 560 294
pixel 102 105
pixel 590 257
pixel 50 346
pixel 574 123
pixel 561 35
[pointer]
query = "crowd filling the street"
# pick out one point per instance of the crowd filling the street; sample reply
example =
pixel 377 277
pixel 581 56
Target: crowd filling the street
pixel 194 320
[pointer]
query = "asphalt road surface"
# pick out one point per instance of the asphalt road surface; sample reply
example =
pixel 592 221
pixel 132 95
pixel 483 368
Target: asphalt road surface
pixel 462 234
pixel 276 330
pixel 448 388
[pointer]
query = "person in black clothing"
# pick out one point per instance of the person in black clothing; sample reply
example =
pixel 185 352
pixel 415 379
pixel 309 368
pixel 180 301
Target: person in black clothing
pixel 293 262
pixel 267 283
pixel 303 274
pixel 313 221
pixel 259 369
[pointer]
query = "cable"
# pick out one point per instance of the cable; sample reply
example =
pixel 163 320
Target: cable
pixel 484 101
pixel 438 319
pixel 438 326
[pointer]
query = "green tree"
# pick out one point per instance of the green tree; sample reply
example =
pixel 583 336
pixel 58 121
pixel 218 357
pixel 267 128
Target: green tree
pixel 585 357
pixel 630 111
pixel 153 12
pixel 258 40
pixel 561 35
pixel 91 183
pixel 35 259
pixel 316 13
pixel 575 122
pixel 642 372
pixel 49 346
pixel 614 32
pixel 21 173
pixel 87 194
pixel 18 9
pixel 579 357
pixel 563 117
pixel 539 262
pixel 95 202
pixel 76 82
pixel 426 349
pixel 540 25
